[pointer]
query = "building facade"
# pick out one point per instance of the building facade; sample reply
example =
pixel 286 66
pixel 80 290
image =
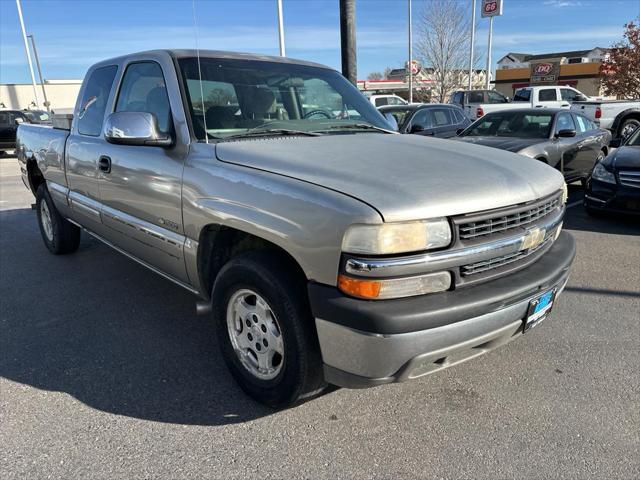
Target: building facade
pixel 579 69
pixel 61 95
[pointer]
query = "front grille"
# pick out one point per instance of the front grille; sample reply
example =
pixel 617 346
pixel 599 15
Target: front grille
pixel 497 262
pixel 629 178
pixel 511 219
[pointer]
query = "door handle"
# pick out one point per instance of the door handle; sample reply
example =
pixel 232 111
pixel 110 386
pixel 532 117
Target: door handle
pixel 104 164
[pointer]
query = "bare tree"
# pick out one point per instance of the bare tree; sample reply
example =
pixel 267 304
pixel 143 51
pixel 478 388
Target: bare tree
pixel 444 34
pixel 374 76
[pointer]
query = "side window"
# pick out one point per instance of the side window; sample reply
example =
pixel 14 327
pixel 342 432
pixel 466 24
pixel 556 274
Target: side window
pixel 564 122
pixel 568 95
pixel 382 101
pixel 522 95
pixel 547 95
pixel 458 117
pixel 475 97
pixel 495 97
pixel 421 118
pixel 457 98
pixel 441 117
pixel 143 90
pixel 583 124
pixel 4 119
pixel 94 100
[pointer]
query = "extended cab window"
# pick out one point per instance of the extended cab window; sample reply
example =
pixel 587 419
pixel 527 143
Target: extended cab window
pixel 94 100
pixel 143 90
pixel 547 95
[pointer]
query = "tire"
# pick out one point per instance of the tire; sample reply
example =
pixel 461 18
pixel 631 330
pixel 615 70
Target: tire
pixel 297 373
pixel 59 235
pixel 628 126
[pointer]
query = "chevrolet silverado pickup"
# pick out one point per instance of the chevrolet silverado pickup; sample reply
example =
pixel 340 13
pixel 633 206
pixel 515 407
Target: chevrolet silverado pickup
pixel 325 248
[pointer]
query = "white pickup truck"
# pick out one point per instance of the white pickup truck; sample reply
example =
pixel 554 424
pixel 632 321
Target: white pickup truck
pixel 621 117
pixel 535 97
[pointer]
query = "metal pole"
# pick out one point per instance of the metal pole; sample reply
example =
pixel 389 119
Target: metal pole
pixel 26 48
pixel 35 54
pixel 410 56
pixel 348 40
pixel 281 29
pixel 488 77
pixel 473 39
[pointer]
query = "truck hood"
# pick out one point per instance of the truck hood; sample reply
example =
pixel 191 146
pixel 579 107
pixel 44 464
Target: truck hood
pixel 404 177
pixel 509 144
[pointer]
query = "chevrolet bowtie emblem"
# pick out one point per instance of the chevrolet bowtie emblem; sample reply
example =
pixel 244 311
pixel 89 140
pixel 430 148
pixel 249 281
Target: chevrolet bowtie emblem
pixel 533 238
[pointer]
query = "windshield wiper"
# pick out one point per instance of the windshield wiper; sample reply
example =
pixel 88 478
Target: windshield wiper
pixel 356 126
pixel 269 132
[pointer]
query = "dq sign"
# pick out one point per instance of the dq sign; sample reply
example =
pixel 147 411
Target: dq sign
pixel 491 8
pixel 545 73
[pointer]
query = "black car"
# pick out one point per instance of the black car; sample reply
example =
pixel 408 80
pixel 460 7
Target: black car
pixel 434 119
pixel 565 140
pixel 614 184
pixel 9 121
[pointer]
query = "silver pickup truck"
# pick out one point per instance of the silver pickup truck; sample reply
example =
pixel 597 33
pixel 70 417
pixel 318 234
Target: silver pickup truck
pixel 326 248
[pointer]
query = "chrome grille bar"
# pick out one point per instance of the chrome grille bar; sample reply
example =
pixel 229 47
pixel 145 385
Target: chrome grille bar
pixel 629 178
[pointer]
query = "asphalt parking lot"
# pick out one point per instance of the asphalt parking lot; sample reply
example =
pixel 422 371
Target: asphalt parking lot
pixel 106 372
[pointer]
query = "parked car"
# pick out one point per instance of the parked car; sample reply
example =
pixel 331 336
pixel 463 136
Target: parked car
pixel 614 184
pixel 9 121
pixel 381 100
pixel 533 97
pixel 326 248
pixel 470 100
pixel 621 117
pixel 432 119
pixel 569 142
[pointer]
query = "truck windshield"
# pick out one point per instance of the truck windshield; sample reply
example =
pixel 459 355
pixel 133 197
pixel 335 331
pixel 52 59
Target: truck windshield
pixel 511 124
pixel 246 97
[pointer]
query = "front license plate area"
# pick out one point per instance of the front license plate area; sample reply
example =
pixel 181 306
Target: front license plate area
pixel 539 309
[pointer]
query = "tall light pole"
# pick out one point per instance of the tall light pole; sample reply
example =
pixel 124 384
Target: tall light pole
pixel 473 39
pixel 348 40
pixel 28 52
pixel 410 64
pixel 35 54
pixel 488 76
pixel 281 29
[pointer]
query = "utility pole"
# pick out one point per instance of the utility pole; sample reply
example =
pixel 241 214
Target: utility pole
pixel 473 39
pixel 488 77
pixel 26 49
pixel 410 56
pixel 35 54
pixel 281 29
pixel 348 40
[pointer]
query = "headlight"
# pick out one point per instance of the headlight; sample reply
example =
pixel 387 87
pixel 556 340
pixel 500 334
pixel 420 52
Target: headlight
pixel 565 192
pixel 602 174
pixel 401 237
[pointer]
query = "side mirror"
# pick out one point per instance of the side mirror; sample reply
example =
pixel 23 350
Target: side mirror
pixel 616 142
pixel 391 120
pixel 566 133
pixel 135 128
pixel 19 120
pixel 508 99
pixel 416 128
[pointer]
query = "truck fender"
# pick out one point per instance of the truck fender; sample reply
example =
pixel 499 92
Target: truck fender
pixel 633 112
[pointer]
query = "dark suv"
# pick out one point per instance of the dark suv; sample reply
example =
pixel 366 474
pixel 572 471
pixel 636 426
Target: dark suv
pixel 9 121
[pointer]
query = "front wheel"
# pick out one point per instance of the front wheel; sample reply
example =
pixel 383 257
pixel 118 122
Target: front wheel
pixel 265 330
pixel 59 235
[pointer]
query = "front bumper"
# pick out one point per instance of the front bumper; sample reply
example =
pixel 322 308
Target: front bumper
pixel 612 198
pixel 368 343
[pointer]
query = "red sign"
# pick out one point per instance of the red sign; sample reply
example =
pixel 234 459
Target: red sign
pixel 543 68
pixel 545 73
pixel 491 8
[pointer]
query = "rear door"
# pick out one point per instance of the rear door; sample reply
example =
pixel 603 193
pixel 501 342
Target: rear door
pixel 568 147
pixel 444 122
pixel 547 98
pixel 84 147
pixel 142 192
pixel 589 148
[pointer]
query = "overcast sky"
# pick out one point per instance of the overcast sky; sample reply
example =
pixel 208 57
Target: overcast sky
pixel 71 35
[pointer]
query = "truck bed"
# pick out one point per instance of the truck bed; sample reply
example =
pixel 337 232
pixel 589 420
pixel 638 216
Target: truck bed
pixel 46 146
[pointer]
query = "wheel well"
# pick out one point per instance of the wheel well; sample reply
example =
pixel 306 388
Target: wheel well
pixel 35 175
pixel 629 116
pixel 605 150
pixel 218 244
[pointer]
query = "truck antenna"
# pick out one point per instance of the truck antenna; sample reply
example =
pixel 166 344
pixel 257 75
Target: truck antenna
pixel 204 116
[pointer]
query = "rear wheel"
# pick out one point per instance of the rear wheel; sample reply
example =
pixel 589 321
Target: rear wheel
pixel 59 235
pixel 265 330
pixel 628 126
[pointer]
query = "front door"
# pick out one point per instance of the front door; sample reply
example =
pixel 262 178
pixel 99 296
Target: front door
pixel 142 193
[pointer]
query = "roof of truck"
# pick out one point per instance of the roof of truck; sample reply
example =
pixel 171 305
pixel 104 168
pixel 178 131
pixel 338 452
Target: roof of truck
pixel 185 53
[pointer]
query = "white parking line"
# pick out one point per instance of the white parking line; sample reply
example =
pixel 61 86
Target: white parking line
pixel 573 204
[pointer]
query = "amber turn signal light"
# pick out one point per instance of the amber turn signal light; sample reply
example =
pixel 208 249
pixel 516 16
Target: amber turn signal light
pixel 359 288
